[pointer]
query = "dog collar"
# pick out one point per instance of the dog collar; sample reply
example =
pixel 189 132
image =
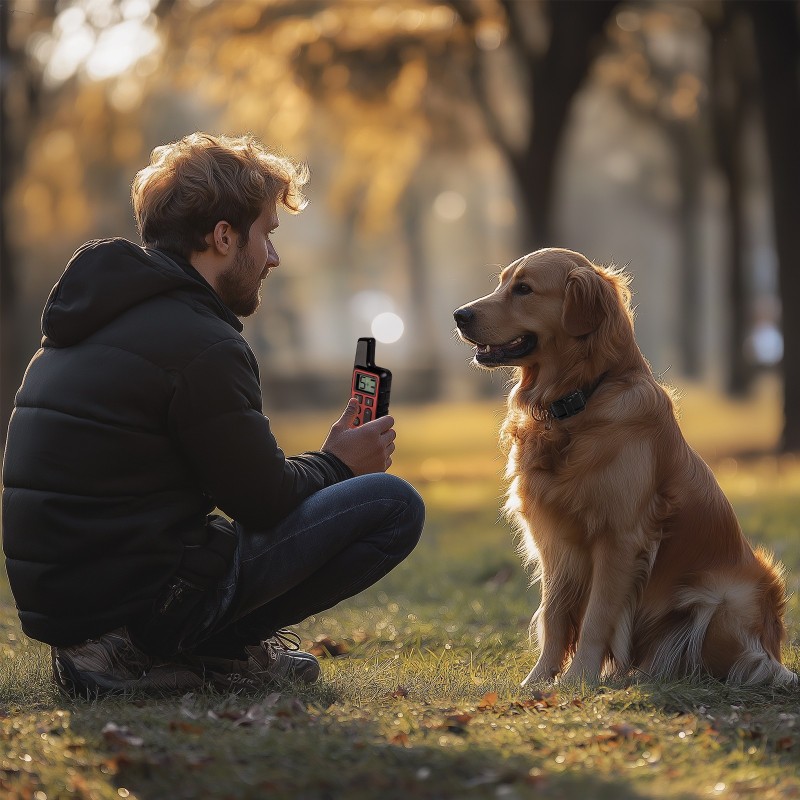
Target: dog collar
pixel 575 402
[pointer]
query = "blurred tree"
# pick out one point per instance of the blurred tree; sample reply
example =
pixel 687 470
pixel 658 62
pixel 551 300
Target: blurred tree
pixel 777 41
pixel 734 99
pixel 74 134
pixel 379 83
pixel 733 96
pixel 655 64
pixel 20 104
pixel 549 47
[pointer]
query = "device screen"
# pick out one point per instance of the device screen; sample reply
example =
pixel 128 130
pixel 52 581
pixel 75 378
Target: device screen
pixel 365 383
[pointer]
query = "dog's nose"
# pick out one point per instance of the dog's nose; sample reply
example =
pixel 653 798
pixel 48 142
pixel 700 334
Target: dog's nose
pixel 463 316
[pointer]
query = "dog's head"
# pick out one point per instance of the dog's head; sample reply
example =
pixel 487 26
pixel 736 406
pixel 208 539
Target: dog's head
pixel 551 313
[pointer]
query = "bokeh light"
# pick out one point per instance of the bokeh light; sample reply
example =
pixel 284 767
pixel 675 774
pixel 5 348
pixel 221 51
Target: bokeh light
pixel 387 327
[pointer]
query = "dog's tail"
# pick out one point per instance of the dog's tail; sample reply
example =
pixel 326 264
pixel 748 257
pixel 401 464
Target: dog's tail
pixel 760 661
pixel 732 627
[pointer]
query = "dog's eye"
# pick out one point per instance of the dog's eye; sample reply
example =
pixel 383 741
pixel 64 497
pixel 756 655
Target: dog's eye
pixel 522 288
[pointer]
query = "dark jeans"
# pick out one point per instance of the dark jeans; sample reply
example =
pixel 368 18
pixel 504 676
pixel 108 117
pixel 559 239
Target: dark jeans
pixel 334 545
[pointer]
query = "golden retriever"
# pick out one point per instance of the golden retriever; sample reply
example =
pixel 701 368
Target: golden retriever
pixel 642 562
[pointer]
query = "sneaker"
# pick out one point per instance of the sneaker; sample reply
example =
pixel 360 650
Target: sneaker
pixel 281 657
pixel 269 662
pixel 112 664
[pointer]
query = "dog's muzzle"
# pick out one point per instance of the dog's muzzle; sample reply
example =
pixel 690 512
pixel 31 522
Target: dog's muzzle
pixel 492 355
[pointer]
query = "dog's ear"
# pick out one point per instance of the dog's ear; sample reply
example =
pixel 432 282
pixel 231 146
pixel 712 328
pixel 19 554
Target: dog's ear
pixel 585 302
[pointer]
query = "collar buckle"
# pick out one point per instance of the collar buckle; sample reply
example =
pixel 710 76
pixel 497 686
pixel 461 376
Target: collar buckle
pixel 568 406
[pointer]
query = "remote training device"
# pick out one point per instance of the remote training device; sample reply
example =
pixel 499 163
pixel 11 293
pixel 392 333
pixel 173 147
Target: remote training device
pixel 371 384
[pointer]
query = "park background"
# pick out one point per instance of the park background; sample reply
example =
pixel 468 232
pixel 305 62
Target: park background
pixel 445 138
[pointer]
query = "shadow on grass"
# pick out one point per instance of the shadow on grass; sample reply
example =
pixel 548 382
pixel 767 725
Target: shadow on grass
pixel 208 746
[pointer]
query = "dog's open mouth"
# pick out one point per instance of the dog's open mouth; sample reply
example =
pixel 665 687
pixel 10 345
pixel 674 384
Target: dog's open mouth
pixel 496 354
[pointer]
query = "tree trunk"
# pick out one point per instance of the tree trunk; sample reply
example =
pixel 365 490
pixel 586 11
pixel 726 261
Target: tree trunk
pixel 575 38
pixel 690 268
pixel 730 93
pixel 777 41
pixel 11 360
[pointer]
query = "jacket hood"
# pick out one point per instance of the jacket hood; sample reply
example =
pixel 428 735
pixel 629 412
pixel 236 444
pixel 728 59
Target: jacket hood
pixel 105 278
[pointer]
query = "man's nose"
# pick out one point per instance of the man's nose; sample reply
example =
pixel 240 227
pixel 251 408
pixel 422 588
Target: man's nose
pixel 463 316
pixel 273 260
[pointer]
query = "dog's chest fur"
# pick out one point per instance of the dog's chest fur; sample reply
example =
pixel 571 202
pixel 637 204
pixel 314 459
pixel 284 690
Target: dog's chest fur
pixel 574 483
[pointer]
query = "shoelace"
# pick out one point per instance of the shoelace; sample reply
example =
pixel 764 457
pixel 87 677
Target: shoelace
pixel 287 639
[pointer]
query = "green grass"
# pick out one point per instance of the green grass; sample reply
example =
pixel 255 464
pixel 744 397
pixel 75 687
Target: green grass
pixel 426 702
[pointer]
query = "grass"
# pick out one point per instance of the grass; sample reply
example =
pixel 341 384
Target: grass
pixel 426 700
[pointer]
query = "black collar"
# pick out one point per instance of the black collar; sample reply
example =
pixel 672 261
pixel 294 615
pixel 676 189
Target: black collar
pixel 575 402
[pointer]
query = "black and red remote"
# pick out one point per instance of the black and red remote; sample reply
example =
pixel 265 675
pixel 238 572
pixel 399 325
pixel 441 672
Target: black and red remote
pixel 371 384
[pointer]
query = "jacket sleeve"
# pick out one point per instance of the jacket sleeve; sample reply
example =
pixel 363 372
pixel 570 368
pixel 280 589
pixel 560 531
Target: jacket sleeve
pixel 216 419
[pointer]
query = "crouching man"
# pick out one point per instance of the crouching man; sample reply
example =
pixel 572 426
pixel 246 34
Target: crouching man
pixel 141 414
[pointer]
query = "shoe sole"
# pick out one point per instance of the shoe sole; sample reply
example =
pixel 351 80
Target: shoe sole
pixel 91 685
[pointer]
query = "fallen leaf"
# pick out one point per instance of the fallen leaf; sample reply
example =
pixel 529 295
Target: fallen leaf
pixel 360 636
pixel 184 727
pixel 120 737
pixel 254 714
pixel 325 647
pixel 400 739
pixel 399 692
pixel 489 700
pixel 539 701
pixel 454 723
pixel 624 730
pixel 620 731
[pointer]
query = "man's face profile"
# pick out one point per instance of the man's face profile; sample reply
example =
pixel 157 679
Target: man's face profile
pixel 239 286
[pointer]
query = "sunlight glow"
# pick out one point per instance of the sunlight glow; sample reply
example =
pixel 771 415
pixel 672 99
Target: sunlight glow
pixel 101 38
pixel 119 48
pixel 387 327
pixel 450 205
pixel 369 303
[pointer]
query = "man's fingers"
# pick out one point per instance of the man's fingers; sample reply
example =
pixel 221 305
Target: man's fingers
pixel 389 436
pixel 382 424
pixel 348 413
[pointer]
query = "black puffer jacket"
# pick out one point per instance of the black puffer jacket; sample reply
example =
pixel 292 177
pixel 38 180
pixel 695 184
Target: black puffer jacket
pixel 140 413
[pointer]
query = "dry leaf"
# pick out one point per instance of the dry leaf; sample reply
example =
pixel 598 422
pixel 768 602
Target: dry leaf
pixel 457 723
pixel 184 727
pixel 624 730
pixel 400 739
pixel 489 700
pixel 120 737
pixel 539 701
pixel 325 647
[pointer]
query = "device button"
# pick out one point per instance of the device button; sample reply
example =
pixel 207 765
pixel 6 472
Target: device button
pixel 368 401
pixel 360 399
pixel 367 415
pixel 356 422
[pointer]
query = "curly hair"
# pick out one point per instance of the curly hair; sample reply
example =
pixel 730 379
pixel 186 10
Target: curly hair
pixel 193 183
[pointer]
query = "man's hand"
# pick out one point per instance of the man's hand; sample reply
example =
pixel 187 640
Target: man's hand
pixel 367 448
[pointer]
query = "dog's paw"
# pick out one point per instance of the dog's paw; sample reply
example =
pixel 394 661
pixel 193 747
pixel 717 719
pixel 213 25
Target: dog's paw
pixel 540 674
pixel 578 674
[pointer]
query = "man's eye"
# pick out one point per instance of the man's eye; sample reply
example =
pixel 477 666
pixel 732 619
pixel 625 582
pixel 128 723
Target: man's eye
pixel 522 288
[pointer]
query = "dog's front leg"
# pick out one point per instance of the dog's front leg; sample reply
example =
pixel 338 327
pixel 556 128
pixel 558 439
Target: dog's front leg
pixel 616 573
pixel 556 621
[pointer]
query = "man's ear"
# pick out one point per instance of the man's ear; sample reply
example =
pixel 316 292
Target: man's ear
pixel 584 302
pixel 221 238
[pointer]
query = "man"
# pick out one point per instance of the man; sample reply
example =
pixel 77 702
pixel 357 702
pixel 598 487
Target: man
pixel 141 415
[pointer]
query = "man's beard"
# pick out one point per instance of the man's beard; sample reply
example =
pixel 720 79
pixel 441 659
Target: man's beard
pixel 235 286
